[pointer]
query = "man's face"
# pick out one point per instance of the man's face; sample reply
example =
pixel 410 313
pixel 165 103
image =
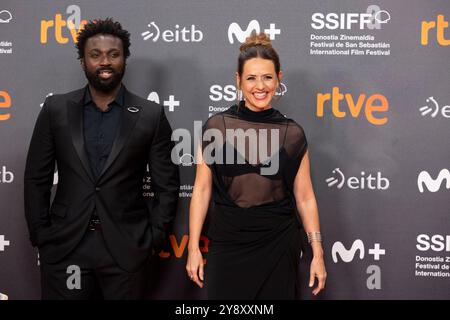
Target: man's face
pixel 104 62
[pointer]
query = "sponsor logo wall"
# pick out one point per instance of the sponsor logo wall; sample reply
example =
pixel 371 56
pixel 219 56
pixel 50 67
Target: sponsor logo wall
pixel 367 81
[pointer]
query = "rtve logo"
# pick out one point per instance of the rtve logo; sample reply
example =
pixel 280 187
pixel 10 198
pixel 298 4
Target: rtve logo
pixel 179 249
pixel 73 23
pixel 364 182
pixel 433 185
pixel 375 106
pixel 235 31
pixel 5 102
pixel 435 243
pixel 440 26
pixel 373 18
pixel 434 109
pixel 176 34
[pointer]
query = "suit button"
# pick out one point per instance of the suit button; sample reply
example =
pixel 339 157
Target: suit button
pixel 97 189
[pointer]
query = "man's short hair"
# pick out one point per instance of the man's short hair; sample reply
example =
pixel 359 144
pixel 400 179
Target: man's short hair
pixel 107 26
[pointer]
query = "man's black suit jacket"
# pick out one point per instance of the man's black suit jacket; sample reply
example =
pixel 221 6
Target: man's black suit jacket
pixel 131 226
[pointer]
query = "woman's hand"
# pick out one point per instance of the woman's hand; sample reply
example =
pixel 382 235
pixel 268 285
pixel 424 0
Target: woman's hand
pixel 194 266
pixel 317 270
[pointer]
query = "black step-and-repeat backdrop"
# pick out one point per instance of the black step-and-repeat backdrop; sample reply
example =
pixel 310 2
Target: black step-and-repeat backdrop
pixel 367 80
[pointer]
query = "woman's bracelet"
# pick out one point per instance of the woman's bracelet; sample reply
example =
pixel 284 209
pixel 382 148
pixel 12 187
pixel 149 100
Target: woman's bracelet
pixel 314 236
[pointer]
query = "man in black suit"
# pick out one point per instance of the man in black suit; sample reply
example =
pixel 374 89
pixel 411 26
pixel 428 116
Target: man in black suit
pixel 99 228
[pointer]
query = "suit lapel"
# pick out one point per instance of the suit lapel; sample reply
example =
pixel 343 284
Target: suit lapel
pixel 75 119
pixel 131 113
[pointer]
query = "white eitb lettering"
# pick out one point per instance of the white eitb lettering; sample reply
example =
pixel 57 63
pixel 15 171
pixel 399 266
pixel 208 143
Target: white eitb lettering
pixel 176 34
pixel 371 182
pixel 251 145
pixel 6 176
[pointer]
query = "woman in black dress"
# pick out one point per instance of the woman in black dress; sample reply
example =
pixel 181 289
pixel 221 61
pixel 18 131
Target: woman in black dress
pixel 254 164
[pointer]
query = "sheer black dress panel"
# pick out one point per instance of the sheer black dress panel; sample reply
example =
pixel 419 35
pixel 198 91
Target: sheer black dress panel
pixel 254 229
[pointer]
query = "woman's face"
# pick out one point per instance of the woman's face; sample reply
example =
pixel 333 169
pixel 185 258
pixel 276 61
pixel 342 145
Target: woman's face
pixel 258 83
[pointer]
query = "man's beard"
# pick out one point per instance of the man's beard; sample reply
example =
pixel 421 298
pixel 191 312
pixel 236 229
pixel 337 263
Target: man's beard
pixel 108 85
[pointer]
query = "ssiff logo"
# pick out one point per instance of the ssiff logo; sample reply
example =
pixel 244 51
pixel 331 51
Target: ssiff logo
pixel 370 181
pixel 347 256
pixel 235 31
pixel 436 243
pixel 373 18
pixel 433 185
pixel 229 92
pixel 440 24
pixel 375 106
pixel 73 23
pixel 5 103
pixel 433 109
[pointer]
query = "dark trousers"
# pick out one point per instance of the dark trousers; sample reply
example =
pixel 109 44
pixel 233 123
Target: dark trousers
pixel 90 272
